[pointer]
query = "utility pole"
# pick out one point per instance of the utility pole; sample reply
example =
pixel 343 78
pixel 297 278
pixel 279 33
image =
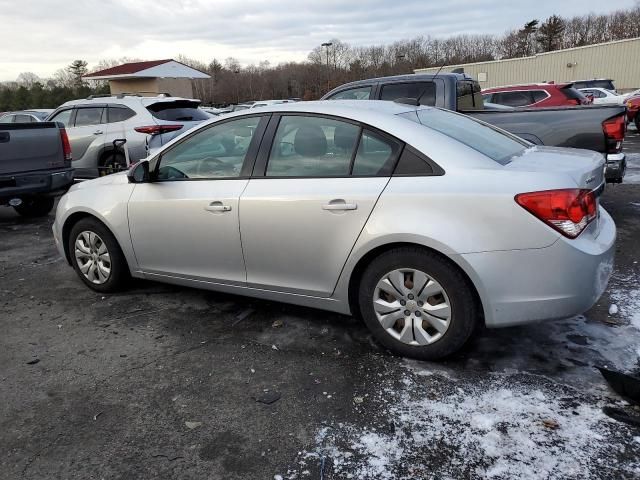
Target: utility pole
pixel 327 45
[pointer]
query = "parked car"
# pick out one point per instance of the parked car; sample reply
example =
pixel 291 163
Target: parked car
pixel 25 116
pixel 264 103
pixel 600 128
pixel 95 122
pixel 424 222
pixel 633 105
pixel 35 166
pixel 602 96
pixel 595 83
pixel 536 95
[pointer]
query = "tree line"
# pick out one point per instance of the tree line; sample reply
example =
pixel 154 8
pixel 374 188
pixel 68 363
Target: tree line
pixel 338 62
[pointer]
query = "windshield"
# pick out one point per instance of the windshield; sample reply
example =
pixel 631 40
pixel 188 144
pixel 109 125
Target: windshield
pixel 491 142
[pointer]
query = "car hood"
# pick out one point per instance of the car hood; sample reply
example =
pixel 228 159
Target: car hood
pixel 113 179
pixel 586 167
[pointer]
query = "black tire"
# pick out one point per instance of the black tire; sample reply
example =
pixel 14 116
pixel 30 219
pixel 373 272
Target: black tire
pixel 464 307
pixel 119 274
pixel 110 163
pixel 32 207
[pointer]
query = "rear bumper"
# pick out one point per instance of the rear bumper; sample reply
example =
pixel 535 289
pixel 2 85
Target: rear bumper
pixel 616 167
pixel 51 182
pixel 559 281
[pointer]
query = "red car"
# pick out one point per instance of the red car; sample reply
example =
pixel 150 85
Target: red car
pixel 536 95
pixel 633 105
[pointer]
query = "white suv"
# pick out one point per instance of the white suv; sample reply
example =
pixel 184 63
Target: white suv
pixel 94 123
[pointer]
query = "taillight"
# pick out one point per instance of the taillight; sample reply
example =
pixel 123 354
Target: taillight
pixel 157 129
pixel 567 211
pixel 614 130
pixel 66 146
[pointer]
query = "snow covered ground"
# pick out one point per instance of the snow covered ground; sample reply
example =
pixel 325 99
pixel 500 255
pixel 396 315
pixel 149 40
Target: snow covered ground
pixel 633 168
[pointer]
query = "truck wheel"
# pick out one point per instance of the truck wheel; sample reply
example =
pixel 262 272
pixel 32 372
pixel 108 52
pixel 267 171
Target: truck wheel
pixel 32 207
pixel 96 256
pixel 417 304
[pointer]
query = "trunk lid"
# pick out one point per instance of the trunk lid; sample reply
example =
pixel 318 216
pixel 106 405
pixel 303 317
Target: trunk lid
pixel 28 147
pixel 585 167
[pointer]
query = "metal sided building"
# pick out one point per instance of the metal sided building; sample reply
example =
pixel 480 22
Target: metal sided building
pixel 619 61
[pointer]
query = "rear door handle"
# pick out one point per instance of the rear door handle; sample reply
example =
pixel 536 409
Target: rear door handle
pixel 98 132
pixel 339 204
pixel 217 207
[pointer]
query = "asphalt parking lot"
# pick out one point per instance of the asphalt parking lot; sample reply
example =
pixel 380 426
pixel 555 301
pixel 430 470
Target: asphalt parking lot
pixel 170 382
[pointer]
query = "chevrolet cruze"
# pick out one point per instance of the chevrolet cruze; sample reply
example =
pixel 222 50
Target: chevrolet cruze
pixel 424 222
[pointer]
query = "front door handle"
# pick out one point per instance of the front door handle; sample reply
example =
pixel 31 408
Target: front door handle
pixel 217 207
pixel 339 204
pixel 98 132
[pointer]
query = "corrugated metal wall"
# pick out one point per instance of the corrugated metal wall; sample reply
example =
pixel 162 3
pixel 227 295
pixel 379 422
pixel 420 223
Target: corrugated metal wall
pixel 619 61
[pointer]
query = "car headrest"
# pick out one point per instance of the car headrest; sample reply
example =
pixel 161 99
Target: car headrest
pixel 310 141
pixel 345 136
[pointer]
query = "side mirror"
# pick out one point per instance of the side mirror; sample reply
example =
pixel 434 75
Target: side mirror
pixel 139 172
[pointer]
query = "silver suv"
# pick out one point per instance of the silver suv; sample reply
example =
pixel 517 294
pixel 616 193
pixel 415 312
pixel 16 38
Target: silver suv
pixel 94 123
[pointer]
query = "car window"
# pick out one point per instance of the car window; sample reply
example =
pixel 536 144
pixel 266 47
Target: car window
pixel 312 147
pixel 469 95
pixel 483 138
pixel 425 92
pixel 177 111
pixel 215 152
pixel 358 93
pixel 487 97
pixel 7 119
pixel 21 118
pixel 376 155
pixel 63 117
pixel 88 116
pixel 538 95
pixel 513 99
pixel 119 113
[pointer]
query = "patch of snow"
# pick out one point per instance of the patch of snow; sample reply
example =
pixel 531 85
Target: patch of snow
pixel 628 301
pixel 633 168
pixel 613 309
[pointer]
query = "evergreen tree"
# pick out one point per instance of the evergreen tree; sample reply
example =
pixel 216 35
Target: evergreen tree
pixel 550 34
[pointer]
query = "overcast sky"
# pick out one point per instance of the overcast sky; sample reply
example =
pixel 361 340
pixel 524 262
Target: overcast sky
pixel 42 36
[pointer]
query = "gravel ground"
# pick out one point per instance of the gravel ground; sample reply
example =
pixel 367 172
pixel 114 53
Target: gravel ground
pixel 169 382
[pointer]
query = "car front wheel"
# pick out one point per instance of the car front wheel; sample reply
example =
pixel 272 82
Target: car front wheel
pixel 97 257
pixel 417 304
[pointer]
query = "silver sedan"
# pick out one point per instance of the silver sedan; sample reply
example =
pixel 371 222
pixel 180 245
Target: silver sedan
pixel 423 222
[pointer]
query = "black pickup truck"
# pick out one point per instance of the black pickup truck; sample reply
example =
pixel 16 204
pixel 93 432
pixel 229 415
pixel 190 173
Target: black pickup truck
pixel 35 166
pixel 592 127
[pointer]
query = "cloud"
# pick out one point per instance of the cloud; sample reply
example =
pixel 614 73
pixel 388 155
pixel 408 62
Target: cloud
pixel 43 35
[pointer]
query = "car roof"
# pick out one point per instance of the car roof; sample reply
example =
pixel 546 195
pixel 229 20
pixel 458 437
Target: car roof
pixel 353 109
pixel 125 100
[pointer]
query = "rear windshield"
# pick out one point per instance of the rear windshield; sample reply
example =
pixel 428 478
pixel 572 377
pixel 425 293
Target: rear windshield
pixel 495 144
pixel 177 111
pixel 469 96
pixel 573 94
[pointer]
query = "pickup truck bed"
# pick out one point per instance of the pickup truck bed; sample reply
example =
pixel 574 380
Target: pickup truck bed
pixel 35 166
pixel 575 127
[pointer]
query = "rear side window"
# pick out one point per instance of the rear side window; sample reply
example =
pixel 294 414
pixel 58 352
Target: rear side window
pixel 469 95
pixel 177 111
pixel 376 155
pixel 513 99
pixel 359 93
pixel 425 92
pixel 7 119
pixel 538 95
pixel 89 116
pixel 483 138
pixel 120 113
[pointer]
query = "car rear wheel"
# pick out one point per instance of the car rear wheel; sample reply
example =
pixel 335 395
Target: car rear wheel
pixel 97 257
pixel 417 304
pixel 35 206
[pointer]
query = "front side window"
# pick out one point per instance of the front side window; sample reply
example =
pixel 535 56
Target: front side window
pixel 485 139
pixel 7 119
pixel 88 116
pixel 424 92
pixel 63 117
pixel 312 147
pixel 359 93
pixel 215 152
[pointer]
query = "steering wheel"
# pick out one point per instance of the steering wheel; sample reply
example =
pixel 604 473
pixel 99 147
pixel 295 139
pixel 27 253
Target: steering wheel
pixel 209 165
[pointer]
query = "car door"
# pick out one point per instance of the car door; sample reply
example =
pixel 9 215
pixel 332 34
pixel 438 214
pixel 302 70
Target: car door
pixel 87 138
pixel 185 222
pixel 314 186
